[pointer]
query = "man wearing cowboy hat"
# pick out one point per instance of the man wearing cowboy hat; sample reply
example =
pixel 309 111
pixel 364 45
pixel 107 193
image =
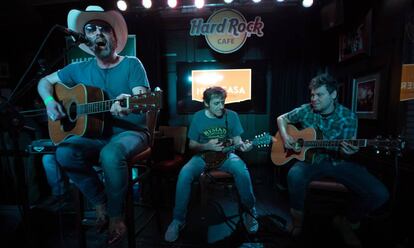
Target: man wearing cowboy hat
pixel 125 133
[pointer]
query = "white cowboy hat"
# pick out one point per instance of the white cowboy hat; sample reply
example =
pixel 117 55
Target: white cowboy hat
pixel 77 20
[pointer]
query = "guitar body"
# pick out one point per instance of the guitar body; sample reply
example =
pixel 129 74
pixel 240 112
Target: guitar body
pixel 73 124
pixel 214 159
pixel 280 155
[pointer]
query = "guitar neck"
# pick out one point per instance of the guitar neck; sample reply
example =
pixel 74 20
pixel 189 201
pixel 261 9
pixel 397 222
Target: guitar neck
pixel 336 143
pixel 99 107
pixel 231 148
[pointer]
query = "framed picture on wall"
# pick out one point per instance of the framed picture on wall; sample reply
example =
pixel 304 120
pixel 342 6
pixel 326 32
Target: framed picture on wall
pixel 356 41
pixel 365 96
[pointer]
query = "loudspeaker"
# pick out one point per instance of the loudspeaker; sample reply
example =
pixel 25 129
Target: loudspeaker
pixel 332 14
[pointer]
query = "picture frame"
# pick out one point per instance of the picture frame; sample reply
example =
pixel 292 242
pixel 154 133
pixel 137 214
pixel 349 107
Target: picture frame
pixel 356 41
pixel 365 95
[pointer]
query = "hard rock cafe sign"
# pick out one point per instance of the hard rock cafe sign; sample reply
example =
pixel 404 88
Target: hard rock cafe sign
pixel 226 30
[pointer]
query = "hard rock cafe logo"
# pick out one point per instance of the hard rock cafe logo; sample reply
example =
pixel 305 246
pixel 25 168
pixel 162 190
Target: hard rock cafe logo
pixel 226 30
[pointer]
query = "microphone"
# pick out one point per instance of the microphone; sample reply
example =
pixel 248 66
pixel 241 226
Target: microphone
pixel 79 37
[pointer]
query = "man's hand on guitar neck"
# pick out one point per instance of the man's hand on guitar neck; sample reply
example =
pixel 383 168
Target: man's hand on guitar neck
pixel 348 149
pixel 246 146
pixel 54 110
pixel 117 109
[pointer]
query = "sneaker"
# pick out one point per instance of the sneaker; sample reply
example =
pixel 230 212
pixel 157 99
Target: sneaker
pixel 250 222
pixel 173 230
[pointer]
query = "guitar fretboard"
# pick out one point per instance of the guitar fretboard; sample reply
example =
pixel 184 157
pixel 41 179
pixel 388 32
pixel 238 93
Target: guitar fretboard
pixel 336 143
pixel 97 107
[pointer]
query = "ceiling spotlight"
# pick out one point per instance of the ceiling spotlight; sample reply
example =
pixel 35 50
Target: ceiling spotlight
pixel 307 3
pixel 280 1
pixel 257 1
pixel 147 3
pixel 228 1
pixel 172 3
pixel 122 5
pixel 199 3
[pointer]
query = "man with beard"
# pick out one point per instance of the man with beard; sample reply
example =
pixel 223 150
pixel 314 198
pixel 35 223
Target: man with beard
pixel 125 133
pixel 208 131
pixel 335 122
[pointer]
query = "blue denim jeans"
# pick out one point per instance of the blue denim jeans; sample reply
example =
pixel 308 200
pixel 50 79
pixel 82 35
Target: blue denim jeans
pixel 56 178
pixel 192 171
pixel 77 155
pixel 369 191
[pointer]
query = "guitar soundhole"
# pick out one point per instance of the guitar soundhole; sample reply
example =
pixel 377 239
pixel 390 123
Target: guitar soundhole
pixel 69 122
pixel 72 112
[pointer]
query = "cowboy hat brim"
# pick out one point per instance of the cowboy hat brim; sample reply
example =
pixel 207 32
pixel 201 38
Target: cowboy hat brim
pixel 77 20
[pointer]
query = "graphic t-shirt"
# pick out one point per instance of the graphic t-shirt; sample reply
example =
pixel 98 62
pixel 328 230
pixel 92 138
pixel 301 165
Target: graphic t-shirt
pixel 202 128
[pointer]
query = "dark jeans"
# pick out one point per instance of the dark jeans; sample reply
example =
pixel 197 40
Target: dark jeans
pixel 370 191
pixel 192 171
pixel 77 155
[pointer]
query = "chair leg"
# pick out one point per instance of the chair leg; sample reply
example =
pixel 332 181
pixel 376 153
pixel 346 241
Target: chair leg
pixel 130 216
pixel 79 203
pixel 203 196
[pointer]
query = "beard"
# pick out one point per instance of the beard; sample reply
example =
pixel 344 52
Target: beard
pixel 103 49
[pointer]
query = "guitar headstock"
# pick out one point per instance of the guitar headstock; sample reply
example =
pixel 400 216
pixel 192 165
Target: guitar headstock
pixel 262 140
pixel 146 101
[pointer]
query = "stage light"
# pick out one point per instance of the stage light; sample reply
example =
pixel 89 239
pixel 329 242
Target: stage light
pixel 280 1
pixel 307 3
pixel 147 3
pixel 228 1
pixel 199 3
pixel 172 3
pixel 257 1
pixel 122 5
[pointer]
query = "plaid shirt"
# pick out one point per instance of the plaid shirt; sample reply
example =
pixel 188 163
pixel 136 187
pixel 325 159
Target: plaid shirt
pixel 341 124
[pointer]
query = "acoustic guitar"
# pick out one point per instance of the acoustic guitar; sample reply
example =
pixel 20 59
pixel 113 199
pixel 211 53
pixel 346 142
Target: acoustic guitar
pixel 85 107
pixel 308 138
pixel 214 159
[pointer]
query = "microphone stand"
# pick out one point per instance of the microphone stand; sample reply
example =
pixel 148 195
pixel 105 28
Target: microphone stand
pixel 12 122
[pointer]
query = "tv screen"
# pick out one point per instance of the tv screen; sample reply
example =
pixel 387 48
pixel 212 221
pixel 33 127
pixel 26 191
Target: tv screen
pixel 245 84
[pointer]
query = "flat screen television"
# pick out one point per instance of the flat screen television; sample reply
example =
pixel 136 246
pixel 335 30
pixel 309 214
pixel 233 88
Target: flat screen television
pixel 228 76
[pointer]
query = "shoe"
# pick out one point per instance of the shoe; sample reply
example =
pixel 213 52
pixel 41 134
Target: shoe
pixel 250 222
pixel 293 231
pixel 52 203
pixel 348 235
pixel 117 231
pixel 173 231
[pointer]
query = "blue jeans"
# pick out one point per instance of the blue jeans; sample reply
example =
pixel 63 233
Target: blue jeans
pixel 371 193
pixel 56 178
pixel 77 155
pixel 192 171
